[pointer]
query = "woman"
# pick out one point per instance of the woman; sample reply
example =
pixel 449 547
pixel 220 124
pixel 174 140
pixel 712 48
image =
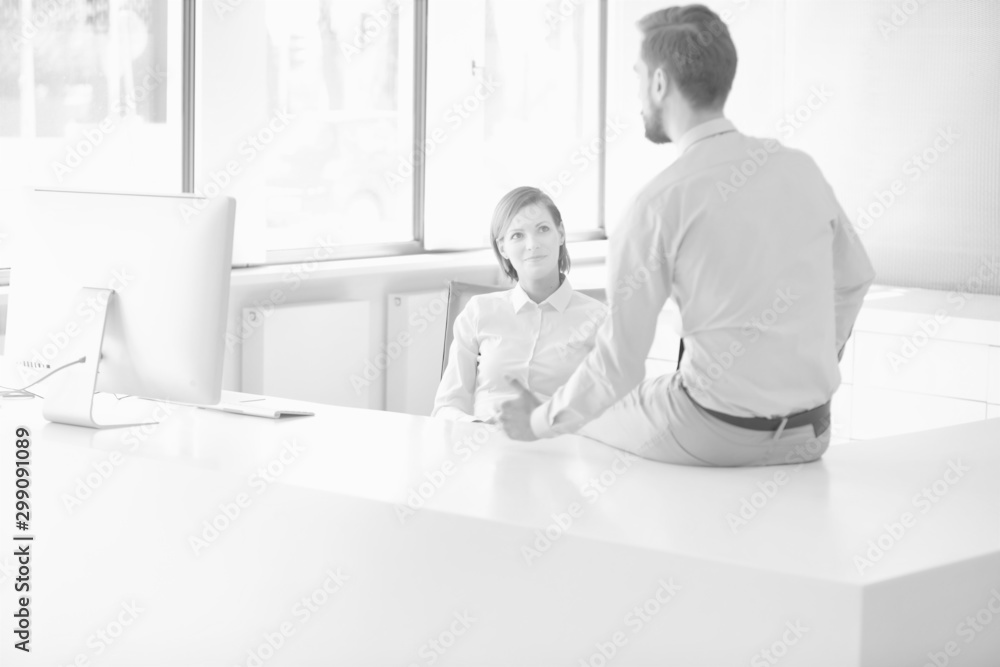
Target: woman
pixel 538 332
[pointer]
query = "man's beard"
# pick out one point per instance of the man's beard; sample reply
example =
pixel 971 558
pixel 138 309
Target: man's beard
pixel 655 131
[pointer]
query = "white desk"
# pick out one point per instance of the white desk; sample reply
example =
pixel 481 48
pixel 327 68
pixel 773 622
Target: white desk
pixel 786 581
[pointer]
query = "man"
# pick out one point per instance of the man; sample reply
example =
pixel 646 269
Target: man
pixel 749 239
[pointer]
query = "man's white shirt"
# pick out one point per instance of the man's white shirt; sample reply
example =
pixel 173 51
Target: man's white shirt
pixel 768 275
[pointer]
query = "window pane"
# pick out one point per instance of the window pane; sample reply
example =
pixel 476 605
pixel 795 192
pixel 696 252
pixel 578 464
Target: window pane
pixel 512 100
pixel 343 69
pixel 90 95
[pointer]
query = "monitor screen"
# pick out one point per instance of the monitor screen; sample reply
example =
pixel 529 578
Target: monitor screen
pixel 158 265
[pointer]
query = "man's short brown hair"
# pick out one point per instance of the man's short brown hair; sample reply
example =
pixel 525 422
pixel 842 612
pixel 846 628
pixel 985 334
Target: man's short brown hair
pixel 693 46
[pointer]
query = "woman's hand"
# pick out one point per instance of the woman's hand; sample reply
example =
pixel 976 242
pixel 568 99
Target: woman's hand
pixel 515 415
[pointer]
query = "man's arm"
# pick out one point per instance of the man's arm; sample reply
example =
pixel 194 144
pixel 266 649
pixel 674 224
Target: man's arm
pixel 853 274
pixel 638 285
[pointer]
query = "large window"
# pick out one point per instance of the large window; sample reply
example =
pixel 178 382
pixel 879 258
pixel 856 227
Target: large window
pixel 508 95
pixel 89 96
pixel 343 71
pixel 363 127
pixel 309 112
pixel 306 116
pixel 512 99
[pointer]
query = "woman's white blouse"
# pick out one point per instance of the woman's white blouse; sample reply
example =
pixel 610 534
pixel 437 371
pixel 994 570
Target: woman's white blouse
pixel 504 334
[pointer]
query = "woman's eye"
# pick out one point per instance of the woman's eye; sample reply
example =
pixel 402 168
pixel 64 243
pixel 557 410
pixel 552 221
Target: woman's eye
pixel 544 228
pixel 515 235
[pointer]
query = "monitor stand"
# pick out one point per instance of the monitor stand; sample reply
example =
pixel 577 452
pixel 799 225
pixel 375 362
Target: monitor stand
pixel 72 401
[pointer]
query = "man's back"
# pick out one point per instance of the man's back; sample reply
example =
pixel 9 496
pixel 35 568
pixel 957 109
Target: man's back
pixel 736 206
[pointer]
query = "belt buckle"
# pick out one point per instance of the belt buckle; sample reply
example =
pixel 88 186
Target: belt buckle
pixel 781 428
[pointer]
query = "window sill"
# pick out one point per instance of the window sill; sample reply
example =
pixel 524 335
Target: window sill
pixel 582 253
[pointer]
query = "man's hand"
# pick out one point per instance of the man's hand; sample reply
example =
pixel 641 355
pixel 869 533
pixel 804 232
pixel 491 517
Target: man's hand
pixel 515 415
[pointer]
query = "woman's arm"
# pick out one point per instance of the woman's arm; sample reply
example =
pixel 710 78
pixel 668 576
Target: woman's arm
pixel 455 399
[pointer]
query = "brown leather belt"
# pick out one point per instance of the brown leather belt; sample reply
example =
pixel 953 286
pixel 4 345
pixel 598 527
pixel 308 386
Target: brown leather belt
pixel 818 417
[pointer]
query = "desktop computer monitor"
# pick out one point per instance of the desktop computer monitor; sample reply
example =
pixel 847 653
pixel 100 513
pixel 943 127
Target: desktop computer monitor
pixel 136 285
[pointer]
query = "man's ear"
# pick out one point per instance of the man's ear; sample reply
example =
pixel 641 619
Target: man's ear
pixel 659 84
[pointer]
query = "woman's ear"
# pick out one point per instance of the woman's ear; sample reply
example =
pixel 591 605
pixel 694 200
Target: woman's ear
pixel 500 248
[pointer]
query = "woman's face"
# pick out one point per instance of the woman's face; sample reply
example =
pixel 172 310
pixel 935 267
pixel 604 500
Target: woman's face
pixel 531 242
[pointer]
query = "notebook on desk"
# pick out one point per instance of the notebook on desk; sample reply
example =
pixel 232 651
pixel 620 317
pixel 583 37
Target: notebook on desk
pixel 258 407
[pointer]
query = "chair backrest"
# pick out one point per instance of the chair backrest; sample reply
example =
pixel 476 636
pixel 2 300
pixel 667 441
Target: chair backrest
pixel 459 294
pixel 598 293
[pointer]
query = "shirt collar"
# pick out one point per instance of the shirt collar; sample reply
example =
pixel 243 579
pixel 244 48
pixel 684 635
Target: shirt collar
pixel 707 129
pixel 558 299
